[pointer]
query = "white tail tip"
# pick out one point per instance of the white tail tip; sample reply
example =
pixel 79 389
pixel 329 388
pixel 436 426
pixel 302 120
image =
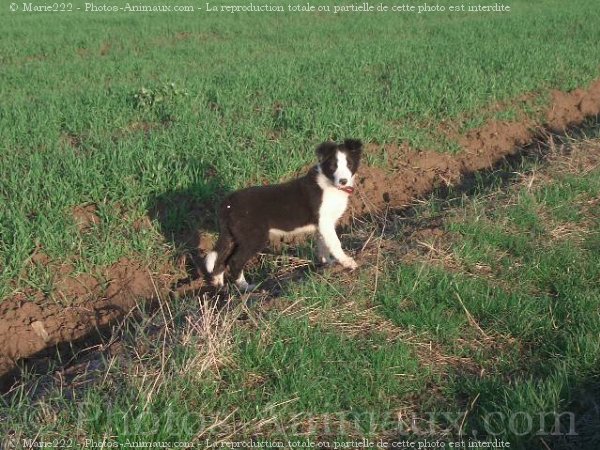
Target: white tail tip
pixel 210 261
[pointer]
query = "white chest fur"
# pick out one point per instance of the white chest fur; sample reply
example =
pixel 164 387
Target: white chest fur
pixel 333 205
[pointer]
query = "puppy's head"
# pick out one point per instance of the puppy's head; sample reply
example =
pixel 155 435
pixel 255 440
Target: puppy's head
pixel 339 162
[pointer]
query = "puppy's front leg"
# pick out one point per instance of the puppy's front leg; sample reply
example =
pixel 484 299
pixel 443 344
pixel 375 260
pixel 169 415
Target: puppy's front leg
pixel 332 242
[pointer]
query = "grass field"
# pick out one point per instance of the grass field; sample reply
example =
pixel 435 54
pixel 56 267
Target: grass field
pixel 481 325
pixel 474 316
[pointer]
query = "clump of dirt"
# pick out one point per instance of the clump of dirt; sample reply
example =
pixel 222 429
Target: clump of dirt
pixel 571 108
pixel 183 36
pixel 31 324
pixel 142 127
pixel 86 216
pixel 105 48
pixel 71 140
pixel 484 147
pixel 82 287
pixel 142 223
pixel 39 257
pixel 409 175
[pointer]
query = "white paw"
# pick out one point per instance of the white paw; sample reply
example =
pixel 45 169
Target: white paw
pixel 218 281
pixel 326 260
pixel 245 287
pixel 349 263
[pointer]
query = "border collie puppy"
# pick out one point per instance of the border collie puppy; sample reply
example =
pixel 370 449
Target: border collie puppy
pixel 314 202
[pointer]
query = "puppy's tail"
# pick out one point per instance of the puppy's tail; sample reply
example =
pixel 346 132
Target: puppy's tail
pixel 210 261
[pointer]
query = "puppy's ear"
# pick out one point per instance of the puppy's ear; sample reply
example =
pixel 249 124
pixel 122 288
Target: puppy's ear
pixel 326 149
pixel 354 146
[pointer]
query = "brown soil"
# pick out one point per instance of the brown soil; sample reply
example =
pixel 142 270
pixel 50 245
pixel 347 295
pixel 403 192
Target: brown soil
pixel 71 140
pixel 31 324
pixel 142 127
pixel 410 175
pixel 105 48
pixel 415 174
pixel 85 216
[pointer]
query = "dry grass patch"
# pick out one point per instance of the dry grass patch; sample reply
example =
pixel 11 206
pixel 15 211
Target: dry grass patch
pixel 211 333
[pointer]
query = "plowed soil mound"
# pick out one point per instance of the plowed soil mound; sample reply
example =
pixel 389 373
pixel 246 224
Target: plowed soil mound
pixel 411 174
pixel 31 325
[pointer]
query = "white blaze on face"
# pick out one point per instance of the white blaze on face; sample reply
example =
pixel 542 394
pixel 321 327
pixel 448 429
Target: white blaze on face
pixel 342 171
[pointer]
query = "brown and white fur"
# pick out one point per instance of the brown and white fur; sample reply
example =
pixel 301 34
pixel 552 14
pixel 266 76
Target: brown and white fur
pixel 314 202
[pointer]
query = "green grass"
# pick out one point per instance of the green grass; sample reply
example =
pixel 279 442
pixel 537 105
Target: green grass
pixel 119 109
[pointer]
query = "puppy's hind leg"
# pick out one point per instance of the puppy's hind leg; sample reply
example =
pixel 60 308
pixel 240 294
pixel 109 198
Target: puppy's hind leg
pixel 216 260
pixel 241 255
pixel 242 284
